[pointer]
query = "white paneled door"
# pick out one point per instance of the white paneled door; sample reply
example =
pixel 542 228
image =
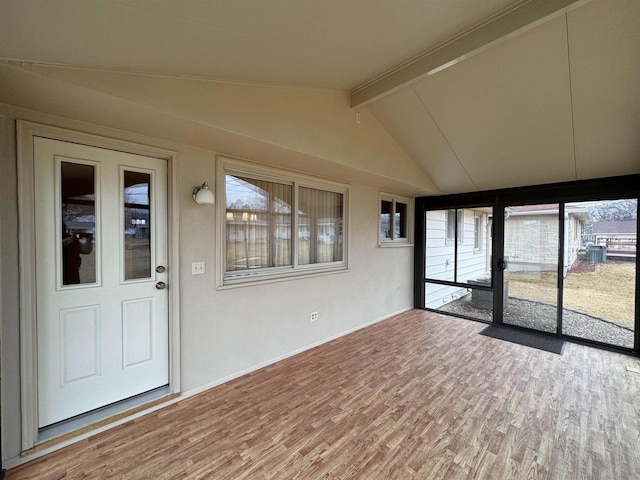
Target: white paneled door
pixel 101 258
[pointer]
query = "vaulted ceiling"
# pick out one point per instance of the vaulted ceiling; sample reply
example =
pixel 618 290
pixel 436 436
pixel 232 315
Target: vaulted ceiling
pixel 472 94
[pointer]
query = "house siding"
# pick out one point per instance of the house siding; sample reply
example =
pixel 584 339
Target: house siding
pixel 531 242
pixel 440 256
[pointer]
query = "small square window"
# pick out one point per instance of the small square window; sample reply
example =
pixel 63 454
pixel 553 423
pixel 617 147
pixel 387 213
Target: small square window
pixel 394 220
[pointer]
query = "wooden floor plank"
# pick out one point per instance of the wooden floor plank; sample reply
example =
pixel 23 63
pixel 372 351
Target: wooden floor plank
pixel 419 395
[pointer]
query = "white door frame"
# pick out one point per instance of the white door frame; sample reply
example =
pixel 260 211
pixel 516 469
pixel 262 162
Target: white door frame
pixel 26 131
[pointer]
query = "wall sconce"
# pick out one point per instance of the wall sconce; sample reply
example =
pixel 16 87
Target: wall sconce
pixel 202 195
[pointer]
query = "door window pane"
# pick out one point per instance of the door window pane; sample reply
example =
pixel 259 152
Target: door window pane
pixel 137 225
pixel 531 242
pixel 257 224
pixel 600 271
pixel 320 221
pixel 78 223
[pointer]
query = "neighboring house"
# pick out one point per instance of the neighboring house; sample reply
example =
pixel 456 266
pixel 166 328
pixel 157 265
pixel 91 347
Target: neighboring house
pixel 474 252
pixel 619 237
pixel 531 236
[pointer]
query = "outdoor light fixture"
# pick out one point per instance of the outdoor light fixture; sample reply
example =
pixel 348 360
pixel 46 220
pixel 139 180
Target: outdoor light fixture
pixel 203 196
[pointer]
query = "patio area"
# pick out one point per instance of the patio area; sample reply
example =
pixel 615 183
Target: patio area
pixel 541 316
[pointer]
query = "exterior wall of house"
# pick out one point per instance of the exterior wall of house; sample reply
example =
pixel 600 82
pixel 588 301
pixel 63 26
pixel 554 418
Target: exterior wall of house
pixel 473 263
pixel 574 240
pixel 223 332
pixel 531 242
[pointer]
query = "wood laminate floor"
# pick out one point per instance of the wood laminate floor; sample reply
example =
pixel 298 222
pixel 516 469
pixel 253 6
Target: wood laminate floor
pixel 419 395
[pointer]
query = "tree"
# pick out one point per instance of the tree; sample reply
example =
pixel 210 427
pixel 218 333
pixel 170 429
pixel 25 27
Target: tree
pixel 614 210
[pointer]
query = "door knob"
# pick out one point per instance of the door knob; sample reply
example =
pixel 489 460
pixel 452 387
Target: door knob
pixel 160 269
pixel 161 285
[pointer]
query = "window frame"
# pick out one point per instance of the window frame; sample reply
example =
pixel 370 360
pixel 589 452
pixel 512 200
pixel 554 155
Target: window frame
pixel 226 165
pixel 401 241
pixel 478 232
pixel 450 226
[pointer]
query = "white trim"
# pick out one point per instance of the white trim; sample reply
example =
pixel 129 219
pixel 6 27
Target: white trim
pixel 16 461
pixel 26 131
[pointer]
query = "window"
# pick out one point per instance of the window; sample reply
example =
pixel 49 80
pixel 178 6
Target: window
pixel 276 225
pixel 454 216
pixel 451 226
pixel 477 232
pixel 394 220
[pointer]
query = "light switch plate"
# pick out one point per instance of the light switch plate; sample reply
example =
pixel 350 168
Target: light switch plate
pixel 197 268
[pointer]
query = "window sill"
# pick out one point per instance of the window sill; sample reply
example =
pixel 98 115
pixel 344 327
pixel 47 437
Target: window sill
pixel 394 244
pixel 264 279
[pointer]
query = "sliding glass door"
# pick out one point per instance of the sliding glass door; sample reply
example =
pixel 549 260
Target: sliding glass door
pixel 599 287
pixel 530 266
pixel 458 266
pixel 559 259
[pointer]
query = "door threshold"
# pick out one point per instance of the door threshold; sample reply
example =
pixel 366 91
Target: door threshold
pixel 76 426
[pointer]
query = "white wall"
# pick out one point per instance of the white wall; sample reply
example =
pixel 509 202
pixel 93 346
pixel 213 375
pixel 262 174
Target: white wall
pixel 229 331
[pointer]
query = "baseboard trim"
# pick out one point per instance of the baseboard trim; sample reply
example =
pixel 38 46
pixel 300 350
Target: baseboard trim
pixel 271 361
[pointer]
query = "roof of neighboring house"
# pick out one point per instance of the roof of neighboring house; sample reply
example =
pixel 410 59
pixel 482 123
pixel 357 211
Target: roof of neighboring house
pixel 548 209
pixel 620 226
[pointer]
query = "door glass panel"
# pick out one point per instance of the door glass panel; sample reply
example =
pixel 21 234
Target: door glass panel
pixel 458 245
pixel 440 245
pixel 474 251
pixel 600 271
pixel 531 241
pixel 78 192
pixel 137 225
pixel 466 301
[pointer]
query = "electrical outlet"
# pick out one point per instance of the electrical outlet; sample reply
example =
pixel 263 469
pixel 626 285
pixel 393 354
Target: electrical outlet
pixel 314 316
pixel 197 268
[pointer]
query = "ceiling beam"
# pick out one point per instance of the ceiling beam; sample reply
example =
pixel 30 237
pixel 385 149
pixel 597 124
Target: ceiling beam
pixel 507 24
